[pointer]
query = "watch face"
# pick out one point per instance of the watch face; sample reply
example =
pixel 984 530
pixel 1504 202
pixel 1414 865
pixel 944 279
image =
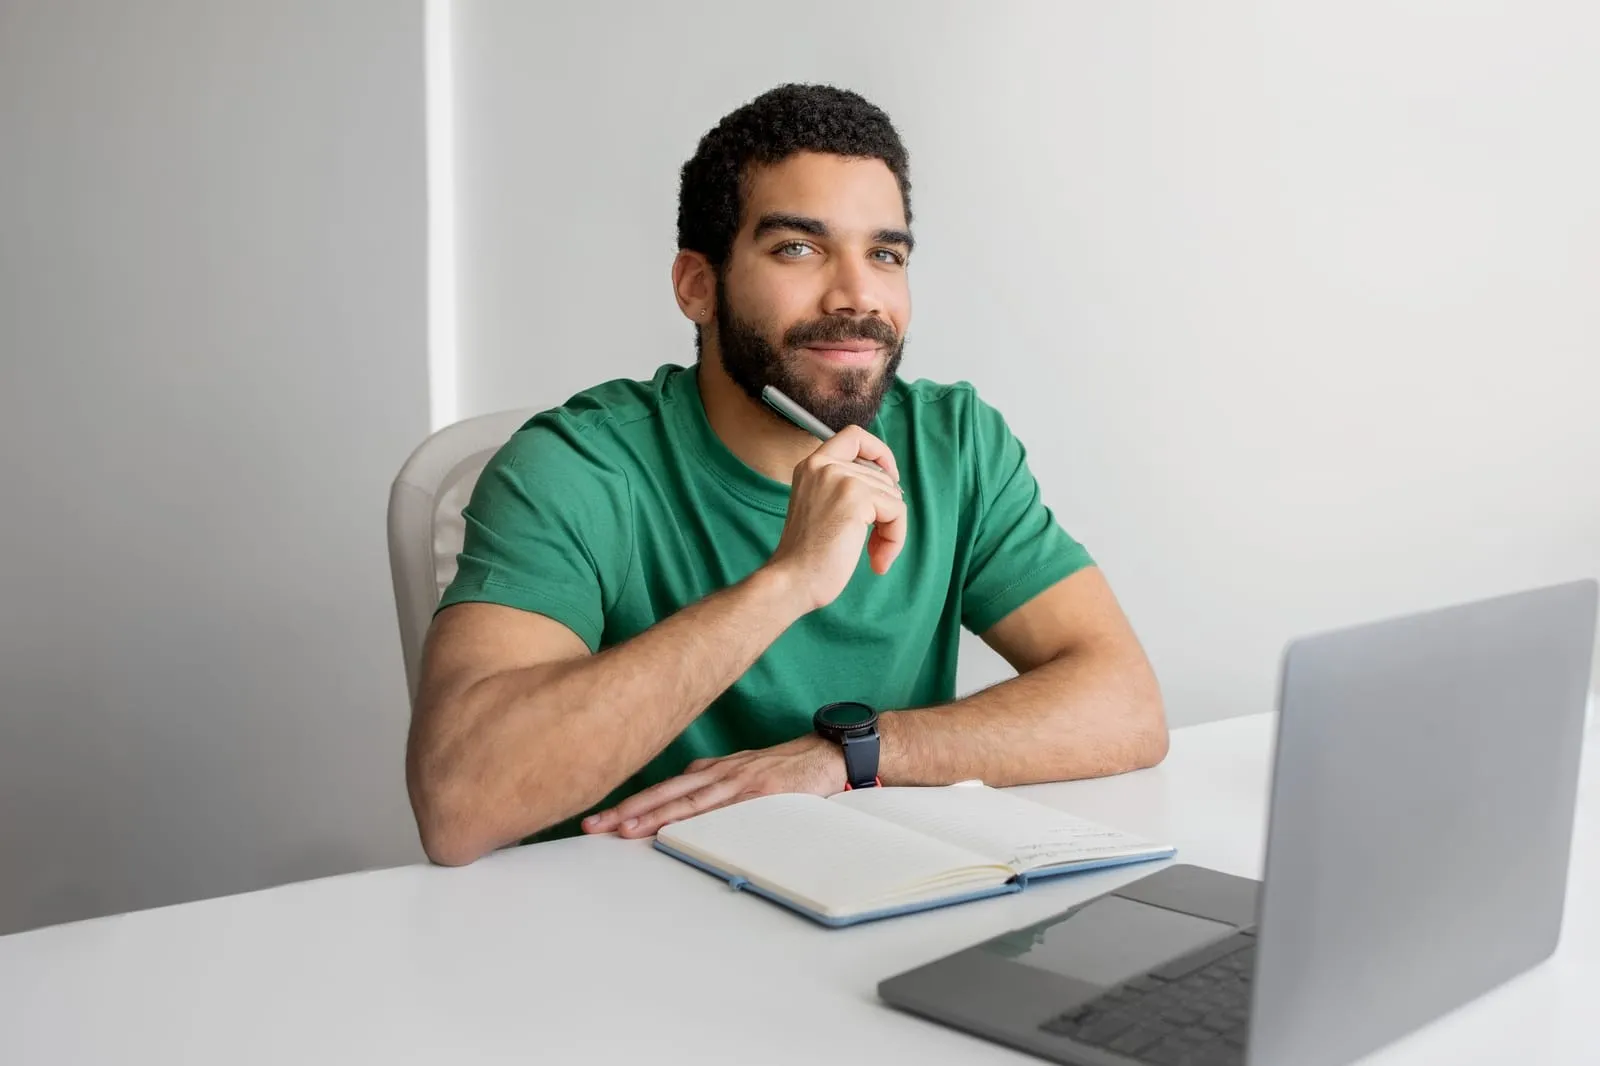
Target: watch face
pixel 845 715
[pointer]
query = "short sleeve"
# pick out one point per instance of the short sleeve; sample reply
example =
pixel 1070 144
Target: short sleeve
pixel 548 529
pixel 1018 548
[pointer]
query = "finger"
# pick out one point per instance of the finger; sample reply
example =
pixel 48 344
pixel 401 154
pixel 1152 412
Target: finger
pixel 868 464
pixel 645 800
pixel 717 794
pixel 693 775
pixel 877 478
pixel 853 443
pixel 882 553
pixel 888 535
pixel 600 821
pixel 870 476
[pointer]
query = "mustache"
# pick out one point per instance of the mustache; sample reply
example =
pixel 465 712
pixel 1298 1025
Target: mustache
pixel 823 330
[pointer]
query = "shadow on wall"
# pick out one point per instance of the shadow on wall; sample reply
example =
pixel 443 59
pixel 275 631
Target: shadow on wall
pixel 162 798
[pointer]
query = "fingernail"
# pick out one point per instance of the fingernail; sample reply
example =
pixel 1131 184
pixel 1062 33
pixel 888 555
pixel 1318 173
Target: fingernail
pixel 631 823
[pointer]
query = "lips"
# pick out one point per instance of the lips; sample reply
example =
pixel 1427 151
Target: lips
pixel 846 346
pixel 848 353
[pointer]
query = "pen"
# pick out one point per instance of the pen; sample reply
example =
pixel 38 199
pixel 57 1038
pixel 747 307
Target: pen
pixel 810 423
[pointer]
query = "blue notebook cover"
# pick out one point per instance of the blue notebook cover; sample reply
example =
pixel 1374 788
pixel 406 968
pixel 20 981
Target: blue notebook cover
pixel 1016 884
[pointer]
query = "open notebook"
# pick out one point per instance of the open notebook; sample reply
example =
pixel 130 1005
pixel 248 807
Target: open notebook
pixel 876 852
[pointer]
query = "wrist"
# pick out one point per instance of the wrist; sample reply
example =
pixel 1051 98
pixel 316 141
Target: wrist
pixel 832 756
pixel 780 587
pixel 852 727
pixel 892 750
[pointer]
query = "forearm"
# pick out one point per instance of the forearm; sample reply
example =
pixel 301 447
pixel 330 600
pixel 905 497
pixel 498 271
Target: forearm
pixel 1085 714
pixel 529 748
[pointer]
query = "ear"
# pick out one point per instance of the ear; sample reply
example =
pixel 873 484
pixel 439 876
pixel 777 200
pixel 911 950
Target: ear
pixel 694 283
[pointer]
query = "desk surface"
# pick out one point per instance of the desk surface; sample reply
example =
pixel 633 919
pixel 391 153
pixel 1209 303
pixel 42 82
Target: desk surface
pixel 602 950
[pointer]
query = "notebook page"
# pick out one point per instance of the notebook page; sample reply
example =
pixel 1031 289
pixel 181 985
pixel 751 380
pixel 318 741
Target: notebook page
pixel 827 857
pixel 1018 832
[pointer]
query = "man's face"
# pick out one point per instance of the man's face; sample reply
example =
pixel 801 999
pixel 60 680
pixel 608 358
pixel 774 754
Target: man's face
pixel 814 297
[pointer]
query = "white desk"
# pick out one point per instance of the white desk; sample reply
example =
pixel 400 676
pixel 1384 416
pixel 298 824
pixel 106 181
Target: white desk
pixel 601 950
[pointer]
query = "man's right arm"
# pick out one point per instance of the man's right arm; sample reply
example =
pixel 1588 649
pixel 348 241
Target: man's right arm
pixel 517 727
pixel 500 751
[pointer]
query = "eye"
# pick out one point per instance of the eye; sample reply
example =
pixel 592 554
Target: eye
pixel 793 250
pixel 888 255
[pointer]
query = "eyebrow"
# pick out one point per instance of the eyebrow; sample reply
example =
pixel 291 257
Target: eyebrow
pixel 817 228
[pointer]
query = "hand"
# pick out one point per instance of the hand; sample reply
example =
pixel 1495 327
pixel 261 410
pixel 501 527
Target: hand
pixel 807 764
pixel 834 502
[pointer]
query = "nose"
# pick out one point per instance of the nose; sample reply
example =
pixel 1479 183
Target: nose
pixel 852 291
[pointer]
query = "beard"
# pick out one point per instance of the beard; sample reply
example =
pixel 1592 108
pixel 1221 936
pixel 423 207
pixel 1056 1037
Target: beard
pixel 857 393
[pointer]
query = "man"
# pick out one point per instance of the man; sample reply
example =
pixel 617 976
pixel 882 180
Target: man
pixel 662 581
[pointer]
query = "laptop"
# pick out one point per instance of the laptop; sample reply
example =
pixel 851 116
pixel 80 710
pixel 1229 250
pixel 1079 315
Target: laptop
pixel 1423 788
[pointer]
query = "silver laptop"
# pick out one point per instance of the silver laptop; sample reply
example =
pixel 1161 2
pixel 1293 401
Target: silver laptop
pixel 1422 802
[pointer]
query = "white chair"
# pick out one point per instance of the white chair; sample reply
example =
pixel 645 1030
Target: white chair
pixel 425 524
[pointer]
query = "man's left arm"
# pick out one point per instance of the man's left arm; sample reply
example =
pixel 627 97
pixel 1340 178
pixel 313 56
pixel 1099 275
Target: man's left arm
pixel 1084 703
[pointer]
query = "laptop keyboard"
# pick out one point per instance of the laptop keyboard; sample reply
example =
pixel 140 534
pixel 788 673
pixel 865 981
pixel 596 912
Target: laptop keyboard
pixel 1190 1012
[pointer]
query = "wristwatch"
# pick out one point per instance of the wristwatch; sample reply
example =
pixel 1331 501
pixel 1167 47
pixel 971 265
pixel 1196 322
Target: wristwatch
pixel 854 727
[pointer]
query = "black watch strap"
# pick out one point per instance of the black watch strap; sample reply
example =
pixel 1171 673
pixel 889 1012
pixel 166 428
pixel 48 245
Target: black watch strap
pixel 861 760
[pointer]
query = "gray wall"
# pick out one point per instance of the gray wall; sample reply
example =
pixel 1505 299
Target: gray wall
pixel 212 322
pixel 1294 305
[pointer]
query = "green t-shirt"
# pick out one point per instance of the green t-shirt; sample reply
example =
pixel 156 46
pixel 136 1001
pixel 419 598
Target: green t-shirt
pixel 615 510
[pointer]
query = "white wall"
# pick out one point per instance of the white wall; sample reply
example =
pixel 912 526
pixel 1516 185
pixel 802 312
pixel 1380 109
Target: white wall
pixel 1294 305
pixel 212 334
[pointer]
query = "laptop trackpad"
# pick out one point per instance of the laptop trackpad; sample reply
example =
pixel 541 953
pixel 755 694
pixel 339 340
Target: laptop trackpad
pixel 1108 940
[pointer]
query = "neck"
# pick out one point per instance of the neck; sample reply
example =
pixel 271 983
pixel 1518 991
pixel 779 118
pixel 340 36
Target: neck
pixel 757 435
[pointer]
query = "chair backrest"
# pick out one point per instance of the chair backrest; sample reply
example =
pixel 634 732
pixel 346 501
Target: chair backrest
pixel 425 524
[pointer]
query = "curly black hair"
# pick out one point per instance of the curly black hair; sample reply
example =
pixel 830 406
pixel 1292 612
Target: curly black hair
pixel 775 125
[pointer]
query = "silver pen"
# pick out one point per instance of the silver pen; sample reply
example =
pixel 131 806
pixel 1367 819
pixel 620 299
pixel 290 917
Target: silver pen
pixel 810 423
